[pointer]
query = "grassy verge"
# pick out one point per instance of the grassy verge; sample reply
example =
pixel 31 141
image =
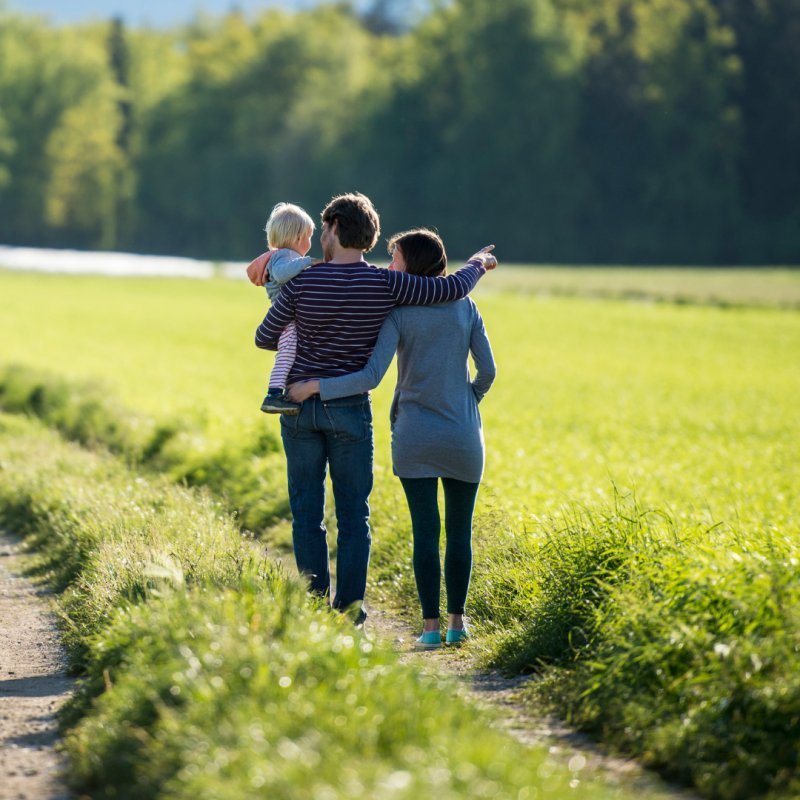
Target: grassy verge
pixel 209 673
pixel 681 647
pixel 677 644
pixel 248 470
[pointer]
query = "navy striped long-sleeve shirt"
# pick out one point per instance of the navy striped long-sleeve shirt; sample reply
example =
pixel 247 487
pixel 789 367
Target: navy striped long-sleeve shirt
pixel 339 310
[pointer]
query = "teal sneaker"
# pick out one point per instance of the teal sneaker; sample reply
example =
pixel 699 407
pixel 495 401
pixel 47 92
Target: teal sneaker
pixel 429 640
pixel 456 636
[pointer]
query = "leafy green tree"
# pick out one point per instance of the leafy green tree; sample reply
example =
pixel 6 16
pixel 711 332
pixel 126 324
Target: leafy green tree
pixel 565 130
pixel 767 43
pixel 119 58
pixel 59 105
pixel 479 129
pixel 6 152
pixel 659 134
pixel 263 106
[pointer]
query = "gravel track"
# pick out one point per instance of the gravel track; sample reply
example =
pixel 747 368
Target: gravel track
pixel 33 685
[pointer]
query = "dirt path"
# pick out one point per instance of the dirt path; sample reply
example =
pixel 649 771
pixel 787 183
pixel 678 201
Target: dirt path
pixel 33 685
pixel 492 690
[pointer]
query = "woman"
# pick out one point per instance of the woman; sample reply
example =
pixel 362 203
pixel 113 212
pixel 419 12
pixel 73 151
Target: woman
pixel 436 427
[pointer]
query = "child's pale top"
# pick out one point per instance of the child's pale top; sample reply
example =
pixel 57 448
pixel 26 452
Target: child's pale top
pixel 284 264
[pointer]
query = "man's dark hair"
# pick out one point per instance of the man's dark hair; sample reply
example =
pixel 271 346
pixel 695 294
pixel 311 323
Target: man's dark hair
pixel 423 251
pixel 357 222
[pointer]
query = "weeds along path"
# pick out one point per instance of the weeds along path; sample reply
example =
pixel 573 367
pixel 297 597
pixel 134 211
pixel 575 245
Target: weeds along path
pixel 489 689
pixel 33 685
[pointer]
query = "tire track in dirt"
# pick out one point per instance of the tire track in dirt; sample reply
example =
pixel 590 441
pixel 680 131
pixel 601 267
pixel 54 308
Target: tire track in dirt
pixel 33 685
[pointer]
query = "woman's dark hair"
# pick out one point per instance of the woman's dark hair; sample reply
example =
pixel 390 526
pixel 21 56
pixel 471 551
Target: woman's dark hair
pixel 423 251
pixel 357 222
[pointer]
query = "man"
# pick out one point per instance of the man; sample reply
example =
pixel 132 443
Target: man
pixel 338 308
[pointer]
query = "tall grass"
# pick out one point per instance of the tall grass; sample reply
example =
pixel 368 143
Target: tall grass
pixel 246 469
pixel 210 674
pixel 575 564
pixel 683 648
pixel 695 666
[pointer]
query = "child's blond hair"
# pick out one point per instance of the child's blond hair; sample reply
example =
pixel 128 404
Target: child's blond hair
pixel 286 224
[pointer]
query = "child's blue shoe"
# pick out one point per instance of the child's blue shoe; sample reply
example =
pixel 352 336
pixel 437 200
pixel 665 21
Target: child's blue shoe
pixel 429 640
pixel 280 404
pixel 456 636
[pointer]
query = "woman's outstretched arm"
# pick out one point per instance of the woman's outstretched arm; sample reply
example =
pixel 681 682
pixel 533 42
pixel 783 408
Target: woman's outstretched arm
pixel 355 382
pixel 369 377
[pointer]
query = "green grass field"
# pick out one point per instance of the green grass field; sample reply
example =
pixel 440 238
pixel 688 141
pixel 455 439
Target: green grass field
pixel 771 287
pixel 690 405
pixel 638 533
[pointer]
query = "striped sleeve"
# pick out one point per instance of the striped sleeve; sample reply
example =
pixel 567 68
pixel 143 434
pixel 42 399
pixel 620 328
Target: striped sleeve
pixel 368 378
pixel 280 314
pixel 415 290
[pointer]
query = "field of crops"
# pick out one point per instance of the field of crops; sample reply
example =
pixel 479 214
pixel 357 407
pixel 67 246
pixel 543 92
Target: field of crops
pixel 638 531
pixel 771 287
pixel 691 405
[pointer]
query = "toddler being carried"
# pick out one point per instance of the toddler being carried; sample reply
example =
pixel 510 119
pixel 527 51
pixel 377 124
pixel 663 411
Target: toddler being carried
pixel 289 230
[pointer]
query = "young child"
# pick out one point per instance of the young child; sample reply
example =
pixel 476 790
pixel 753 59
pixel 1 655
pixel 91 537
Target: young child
pixel 289 229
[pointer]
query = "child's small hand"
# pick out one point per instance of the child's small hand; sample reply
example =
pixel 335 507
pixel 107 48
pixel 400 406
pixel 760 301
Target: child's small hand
pixel 257 269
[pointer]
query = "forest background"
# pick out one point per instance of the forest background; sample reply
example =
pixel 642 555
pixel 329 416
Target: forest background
pixel 575 131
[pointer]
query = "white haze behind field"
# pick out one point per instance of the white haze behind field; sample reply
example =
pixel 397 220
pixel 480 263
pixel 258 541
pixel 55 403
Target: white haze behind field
pixel 80 262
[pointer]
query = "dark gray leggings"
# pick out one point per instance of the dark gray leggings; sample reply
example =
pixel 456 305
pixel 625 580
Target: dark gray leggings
pixel 459 505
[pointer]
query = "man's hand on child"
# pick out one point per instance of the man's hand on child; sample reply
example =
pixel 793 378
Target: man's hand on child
pixel 257 269
pixel 298 392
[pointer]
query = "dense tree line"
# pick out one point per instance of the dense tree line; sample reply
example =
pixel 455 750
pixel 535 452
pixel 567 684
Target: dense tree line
pixel 648 131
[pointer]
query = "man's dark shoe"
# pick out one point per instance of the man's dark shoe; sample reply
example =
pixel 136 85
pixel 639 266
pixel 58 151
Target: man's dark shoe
pixel 360 618
pixel 278 404
pixel 355 612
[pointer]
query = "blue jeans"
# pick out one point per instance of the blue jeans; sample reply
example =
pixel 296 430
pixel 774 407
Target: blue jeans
pixel 336 433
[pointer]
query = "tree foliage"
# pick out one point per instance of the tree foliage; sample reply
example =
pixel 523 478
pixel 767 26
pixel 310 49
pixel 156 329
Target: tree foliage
pixel 564 130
